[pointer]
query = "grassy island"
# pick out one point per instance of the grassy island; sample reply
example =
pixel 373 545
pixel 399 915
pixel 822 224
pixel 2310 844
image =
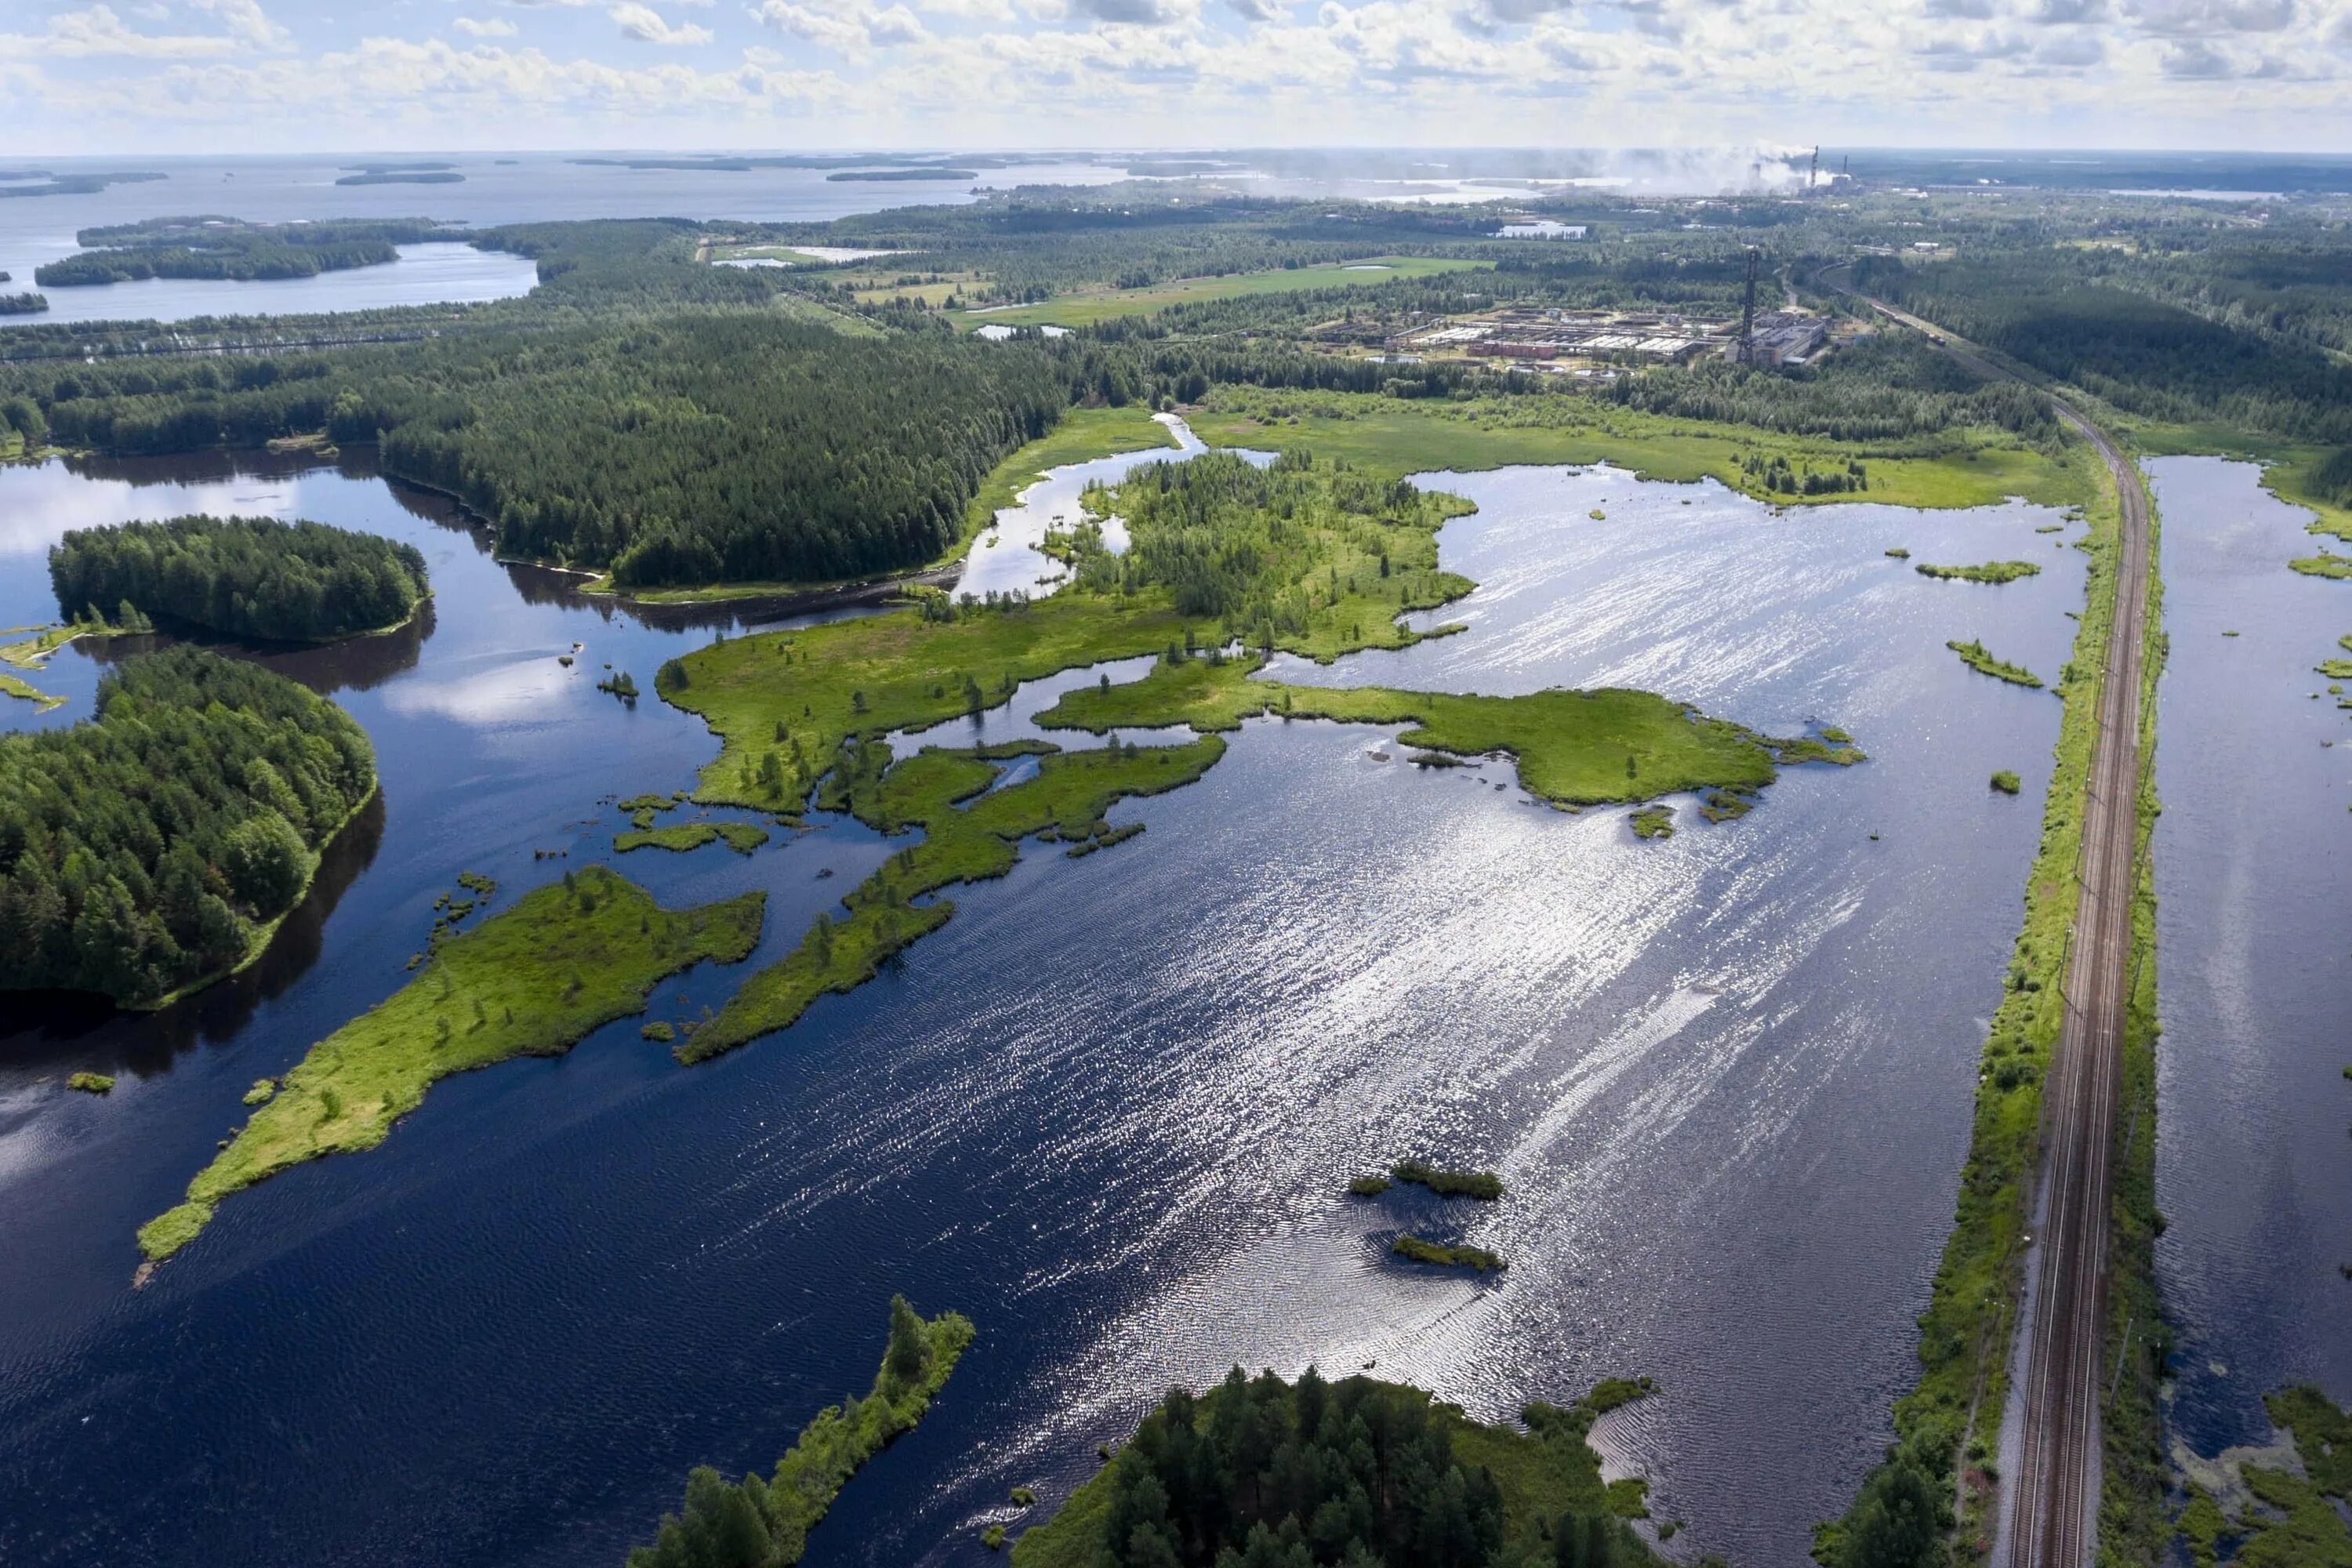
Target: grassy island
pixel 1386 1476
pixel 1311 557
pixel 221 247
pixel 765 1522
pixel 154 848
pixel 1977 657
pixel 742 837
pixel 91 1083
pixel 1990 572
pixel 533 980
pixel 1418 1250
pixel 2323 565
pixel 248 576
pixel 2006 782
pixel 1483 1185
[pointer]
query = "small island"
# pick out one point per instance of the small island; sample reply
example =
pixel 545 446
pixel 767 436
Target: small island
pixel 1438 1487
pixel 153 849
pixel 534 980
pixel 52 184
pixel 402 174
pixel 1990 572
pixel 768 1520
pixel 1977 657
pixel 742 837
pixel 211 247
pixel 1483 1185
pixel 1418 1250
pixel 91 1083
pixel 27 303
pixel 247 576
pixel 895 176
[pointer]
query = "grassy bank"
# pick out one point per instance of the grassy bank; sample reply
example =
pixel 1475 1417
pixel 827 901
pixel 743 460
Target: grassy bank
pixel 1397 436
pixel 1089 307
pixel 2286 464
pixel 1946 1426
pixel 2132 1522
pixel 766 1522
pixel 532 980
pixel 1082 436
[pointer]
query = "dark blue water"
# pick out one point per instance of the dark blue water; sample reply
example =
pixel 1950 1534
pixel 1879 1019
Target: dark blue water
pixel 1106 1113
pixel 2253 765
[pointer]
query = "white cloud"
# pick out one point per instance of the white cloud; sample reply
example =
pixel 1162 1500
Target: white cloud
pixel 246 21
pixel 1190 73
pixel 850 28
pixel 645 24
pixel 98 32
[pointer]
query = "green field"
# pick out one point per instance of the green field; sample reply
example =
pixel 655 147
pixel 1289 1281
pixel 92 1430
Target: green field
pixel 1086 309
pixel 533 980
pixel 1399 437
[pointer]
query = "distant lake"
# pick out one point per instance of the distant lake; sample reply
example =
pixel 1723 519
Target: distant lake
pixel 526 188
pixel 425 275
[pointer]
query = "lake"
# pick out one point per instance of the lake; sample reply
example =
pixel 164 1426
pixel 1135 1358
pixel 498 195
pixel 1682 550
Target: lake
pixel 2254 755
pixel 526 187
pixel 1106 1111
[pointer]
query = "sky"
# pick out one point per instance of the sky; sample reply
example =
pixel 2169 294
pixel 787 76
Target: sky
pixel 119 77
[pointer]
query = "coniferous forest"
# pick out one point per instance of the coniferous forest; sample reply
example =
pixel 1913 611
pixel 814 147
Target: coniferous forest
pixel 141 852
pixel 1262 1473
pixel 249 576
pixel 689 448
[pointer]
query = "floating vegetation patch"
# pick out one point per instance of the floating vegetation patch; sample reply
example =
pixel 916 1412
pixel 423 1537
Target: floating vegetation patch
pixel 1989 572
pixel 1483 1185
pixel 1977 658
pixel 1411 1246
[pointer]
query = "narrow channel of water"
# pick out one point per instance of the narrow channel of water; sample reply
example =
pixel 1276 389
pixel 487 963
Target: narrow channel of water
pixel 1105 1112
pixel 2253 766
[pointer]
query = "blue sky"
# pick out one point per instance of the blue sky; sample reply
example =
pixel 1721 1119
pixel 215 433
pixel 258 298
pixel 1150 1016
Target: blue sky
pixel 127 75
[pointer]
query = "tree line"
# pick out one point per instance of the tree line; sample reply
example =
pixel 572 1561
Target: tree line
pixel 2144 356
pixel 218 248
pixel 1262 1473
pixel 139 851
pixel 689 447
pixel 248 576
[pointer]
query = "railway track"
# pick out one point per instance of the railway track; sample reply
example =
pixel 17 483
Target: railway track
pixel 2049 1506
